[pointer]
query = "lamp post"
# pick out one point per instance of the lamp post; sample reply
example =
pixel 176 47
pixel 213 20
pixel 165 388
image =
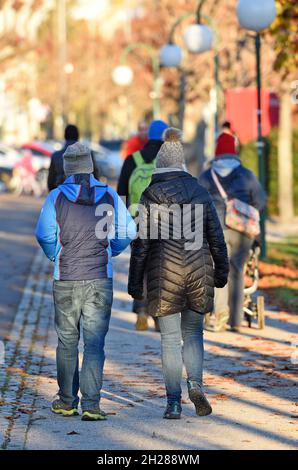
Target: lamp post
pixel 257 16
pixel 123 74
pixel 198 38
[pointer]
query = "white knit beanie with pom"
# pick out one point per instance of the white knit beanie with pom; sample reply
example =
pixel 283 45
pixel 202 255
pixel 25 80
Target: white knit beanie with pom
pixel 171 154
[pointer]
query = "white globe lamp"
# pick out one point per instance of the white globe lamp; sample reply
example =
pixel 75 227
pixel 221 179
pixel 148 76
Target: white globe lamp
pixel 122 75
pixel 198 38
pixel 256 15
pixel 170 55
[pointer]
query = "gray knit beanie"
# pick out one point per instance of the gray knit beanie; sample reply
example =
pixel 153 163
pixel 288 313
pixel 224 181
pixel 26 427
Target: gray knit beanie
pixel 171 154
pixel 77 159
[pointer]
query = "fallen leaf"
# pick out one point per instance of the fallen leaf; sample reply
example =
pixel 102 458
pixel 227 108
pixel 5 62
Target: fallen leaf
pixel 220 396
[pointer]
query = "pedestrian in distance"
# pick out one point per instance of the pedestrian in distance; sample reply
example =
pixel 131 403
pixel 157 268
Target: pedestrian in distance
pixel 83 224
pixel 180 276
pixel 136 142
pixel 227 179
pixel 135 176
pixel 56 174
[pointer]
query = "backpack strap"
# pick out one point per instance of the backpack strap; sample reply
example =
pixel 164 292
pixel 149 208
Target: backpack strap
pixel 138 159
pixel 219 186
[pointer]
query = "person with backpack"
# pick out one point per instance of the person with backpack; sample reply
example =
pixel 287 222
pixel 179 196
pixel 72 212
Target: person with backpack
pixel 135 176
pixel 238 197
pixel 184 262
pixel 82 225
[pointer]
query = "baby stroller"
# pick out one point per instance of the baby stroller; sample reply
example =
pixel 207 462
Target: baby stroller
pixel 254 308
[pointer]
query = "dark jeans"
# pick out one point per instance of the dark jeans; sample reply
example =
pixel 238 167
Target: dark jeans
pixel 87 303
pixel 186 327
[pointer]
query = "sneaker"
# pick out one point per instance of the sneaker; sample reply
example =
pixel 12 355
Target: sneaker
pixel 142 322
pixel 61 408
pixel 94 415
pixel 173 411
pixel 196 395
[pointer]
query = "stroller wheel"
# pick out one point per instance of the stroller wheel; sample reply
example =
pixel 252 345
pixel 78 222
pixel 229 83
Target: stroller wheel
pixel 261 312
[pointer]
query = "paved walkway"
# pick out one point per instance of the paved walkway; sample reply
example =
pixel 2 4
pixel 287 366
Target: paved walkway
pixel 250 380
pixel 18 217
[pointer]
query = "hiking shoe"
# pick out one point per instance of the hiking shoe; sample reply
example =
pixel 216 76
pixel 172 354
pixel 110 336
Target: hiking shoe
pixel 142 322
pixel 173 411
pixel 196 395
pixel 94 415
pixel 61 408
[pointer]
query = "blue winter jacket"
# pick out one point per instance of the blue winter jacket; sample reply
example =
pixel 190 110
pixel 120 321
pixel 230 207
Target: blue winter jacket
pixel 82 224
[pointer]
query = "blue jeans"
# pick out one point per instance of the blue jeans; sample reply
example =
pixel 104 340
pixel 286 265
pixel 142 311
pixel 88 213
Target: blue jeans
pixel 186 327
pixel 85 303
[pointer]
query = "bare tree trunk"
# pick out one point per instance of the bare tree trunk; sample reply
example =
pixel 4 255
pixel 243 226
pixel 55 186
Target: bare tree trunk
pixel 285 159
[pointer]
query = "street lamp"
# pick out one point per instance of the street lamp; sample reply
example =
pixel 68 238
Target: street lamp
pixel 256 16
pixel 123 74
pixel 198 38
pixel 170 55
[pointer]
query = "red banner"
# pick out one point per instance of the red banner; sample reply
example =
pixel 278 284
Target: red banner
pixel 241 111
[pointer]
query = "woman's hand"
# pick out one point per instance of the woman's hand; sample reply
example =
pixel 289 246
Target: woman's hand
pixel 135 292
pixel 220 281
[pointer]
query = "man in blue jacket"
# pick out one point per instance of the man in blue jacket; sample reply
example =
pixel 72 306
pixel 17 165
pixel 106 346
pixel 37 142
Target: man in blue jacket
pixel 83 224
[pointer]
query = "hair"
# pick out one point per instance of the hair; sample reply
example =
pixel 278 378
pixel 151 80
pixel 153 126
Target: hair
pixel 227 124
pixel 71 133
pixel 172 134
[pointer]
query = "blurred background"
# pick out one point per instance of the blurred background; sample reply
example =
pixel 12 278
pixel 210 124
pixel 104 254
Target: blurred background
pixel 108 65
pixel 59 63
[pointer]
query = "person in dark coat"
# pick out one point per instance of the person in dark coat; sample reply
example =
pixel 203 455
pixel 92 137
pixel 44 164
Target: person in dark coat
pixel 148 153
pixel 183 262
pixel 238 182
pixel 56 174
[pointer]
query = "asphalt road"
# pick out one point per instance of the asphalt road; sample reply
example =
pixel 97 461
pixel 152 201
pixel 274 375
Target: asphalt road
pixel 18 217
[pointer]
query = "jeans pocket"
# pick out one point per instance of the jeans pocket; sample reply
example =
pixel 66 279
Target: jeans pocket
pixel 102 292
pixel 63 294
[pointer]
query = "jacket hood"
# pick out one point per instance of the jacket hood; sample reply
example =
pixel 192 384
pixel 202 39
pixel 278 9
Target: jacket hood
pixel 80 189
pixel 168 175
pixel 175 187
pixel 224 165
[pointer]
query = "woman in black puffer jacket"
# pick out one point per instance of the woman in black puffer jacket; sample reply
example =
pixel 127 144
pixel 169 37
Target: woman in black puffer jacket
pixel 184 260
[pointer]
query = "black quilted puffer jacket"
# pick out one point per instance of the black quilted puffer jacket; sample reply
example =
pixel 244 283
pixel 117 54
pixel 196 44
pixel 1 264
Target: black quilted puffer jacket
pixel 178 278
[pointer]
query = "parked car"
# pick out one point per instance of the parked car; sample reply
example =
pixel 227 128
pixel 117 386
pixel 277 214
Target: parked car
pixel 42 152
pixel 9 156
